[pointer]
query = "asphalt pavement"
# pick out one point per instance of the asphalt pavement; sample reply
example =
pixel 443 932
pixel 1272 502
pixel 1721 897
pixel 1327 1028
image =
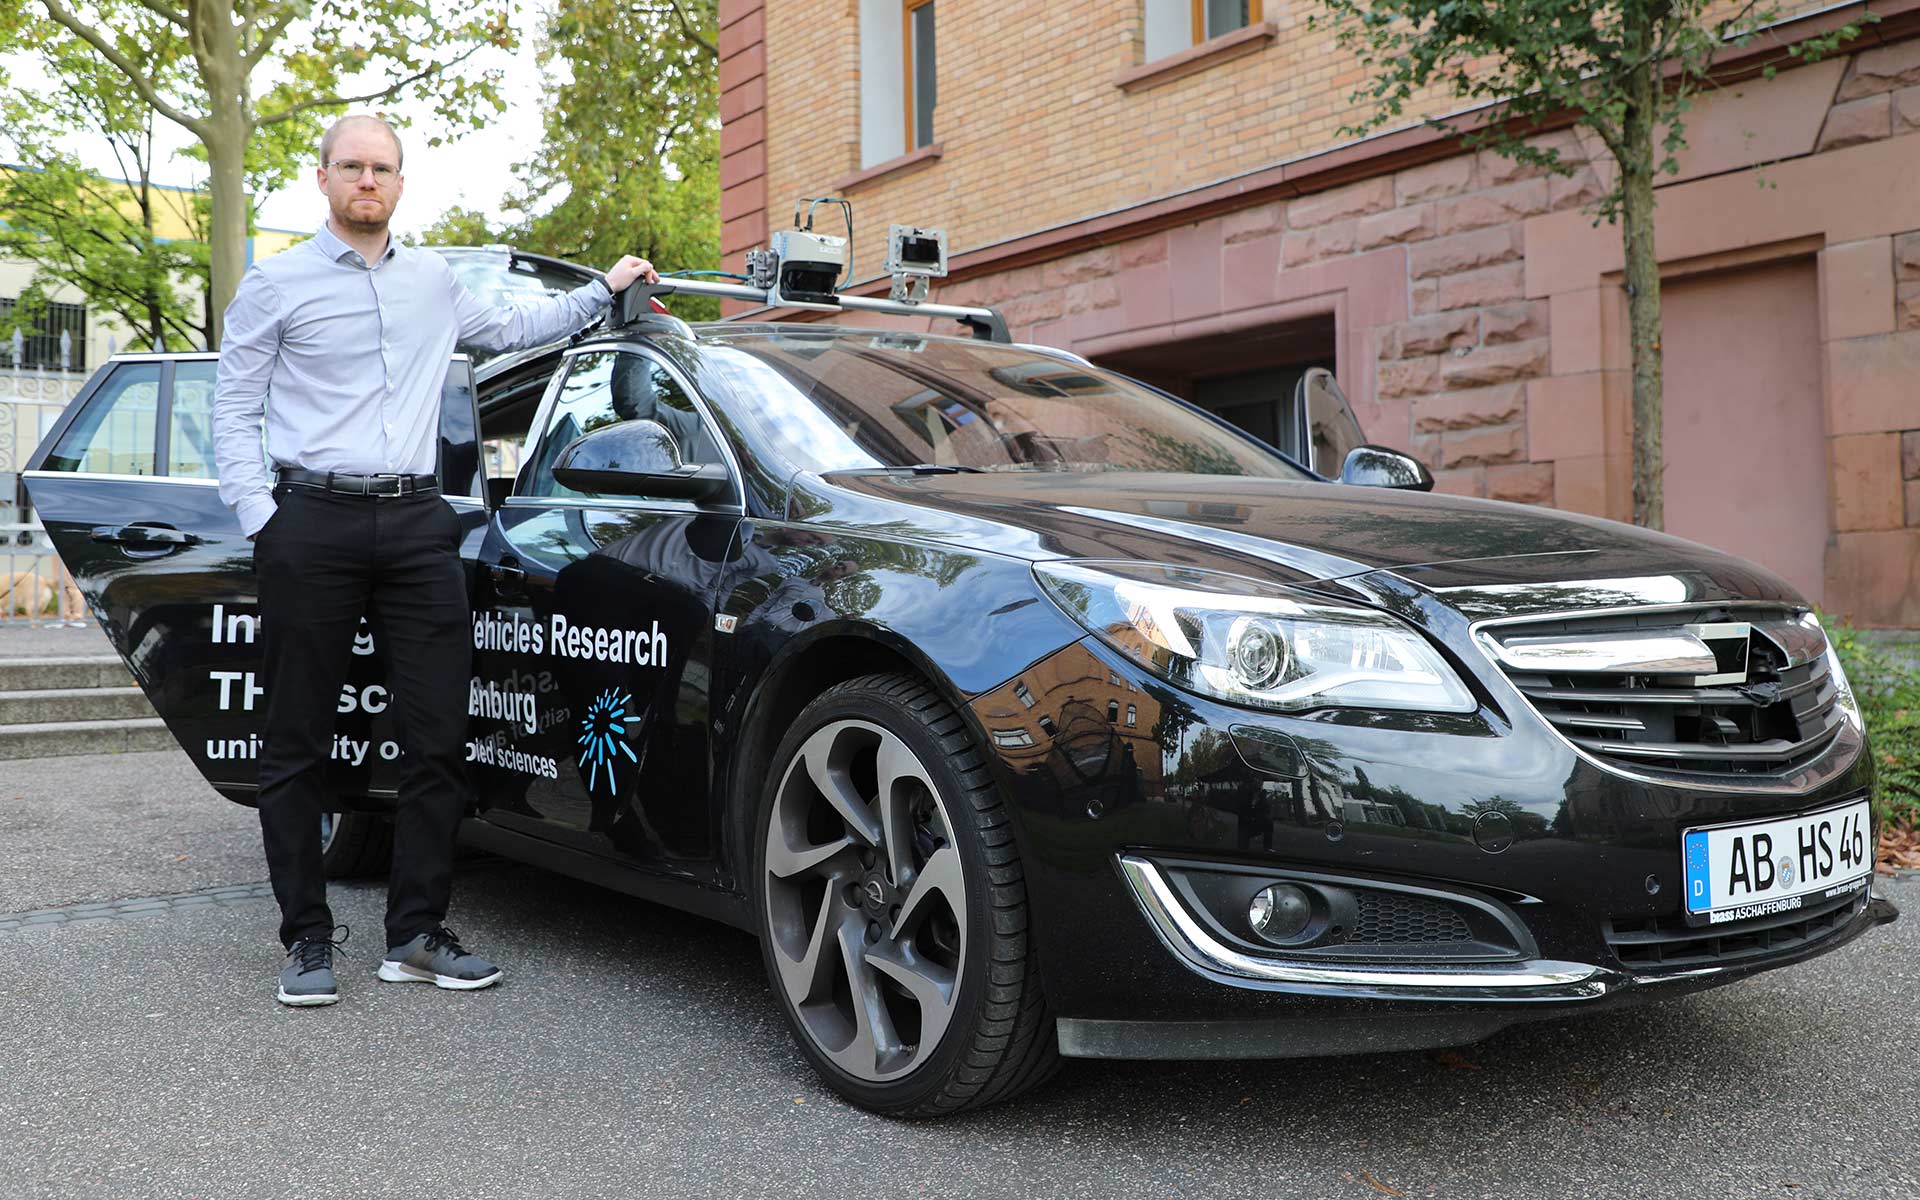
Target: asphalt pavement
pixel 634 1051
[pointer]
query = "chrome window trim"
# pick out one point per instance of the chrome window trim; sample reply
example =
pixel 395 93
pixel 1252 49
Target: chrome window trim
pixel 1197 948
pixel 187 480
pixel 623 504
pixel 1821 769
pixel 192 480
pixel 735 506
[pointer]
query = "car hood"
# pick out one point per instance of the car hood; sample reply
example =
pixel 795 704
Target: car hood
pixel 1477 550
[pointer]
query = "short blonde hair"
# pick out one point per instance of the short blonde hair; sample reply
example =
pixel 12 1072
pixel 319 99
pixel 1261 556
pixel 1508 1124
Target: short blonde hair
pixel 333 133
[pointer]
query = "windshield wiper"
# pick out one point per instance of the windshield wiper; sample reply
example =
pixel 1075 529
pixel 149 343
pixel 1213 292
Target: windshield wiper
pixel 941 469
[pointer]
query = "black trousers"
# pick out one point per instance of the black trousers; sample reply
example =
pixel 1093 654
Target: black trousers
pixel 323 561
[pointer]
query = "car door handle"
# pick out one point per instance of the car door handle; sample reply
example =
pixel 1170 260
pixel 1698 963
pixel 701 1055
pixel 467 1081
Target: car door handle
pixel 505 575
pixel 145 536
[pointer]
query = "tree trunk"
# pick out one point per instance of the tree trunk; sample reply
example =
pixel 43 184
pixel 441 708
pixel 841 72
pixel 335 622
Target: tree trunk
pixel 1643 298
pixel 226 156
pixel 151 280
pixel 223 69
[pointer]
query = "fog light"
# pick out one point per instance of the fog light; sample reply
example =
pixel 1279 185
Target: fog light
pixel 1279 912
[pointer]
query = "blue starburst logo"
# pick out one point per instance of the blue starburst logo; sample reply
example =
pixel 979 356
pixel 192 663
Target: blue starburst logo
pixel 602 733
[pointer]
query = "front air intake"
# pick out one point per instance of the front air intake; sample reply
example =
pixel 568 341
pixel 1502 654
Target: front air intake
pixel 1704 692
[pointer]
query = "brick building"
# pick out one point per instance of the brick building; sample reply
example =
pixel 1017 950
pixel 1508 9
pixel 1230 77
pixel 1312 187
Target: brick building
pixel 1163 186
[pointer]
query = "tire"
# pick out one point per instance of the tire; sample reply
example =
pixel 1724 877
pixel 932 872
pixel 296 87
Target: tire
pixel 882 923
pixel 354 844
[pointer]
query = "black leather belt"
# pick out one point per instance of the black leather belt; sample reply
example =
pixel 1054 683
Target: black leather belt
pixel 360 485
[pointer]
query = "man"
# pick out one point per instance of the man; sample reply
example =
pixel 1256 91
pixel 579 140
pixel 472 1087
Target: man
pixel 341 346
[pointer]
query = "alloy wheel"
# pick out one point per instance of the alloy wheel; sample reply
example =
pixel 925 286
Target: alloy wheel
pixel 866 900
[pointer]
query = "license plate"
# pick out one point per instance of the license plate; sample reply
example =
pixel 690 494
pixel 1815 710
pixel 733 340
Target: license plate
pixel 1764 868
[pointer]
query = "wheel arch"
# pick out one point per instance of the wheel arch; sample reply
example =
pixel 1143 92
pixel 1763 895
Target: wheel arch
pixel 831 654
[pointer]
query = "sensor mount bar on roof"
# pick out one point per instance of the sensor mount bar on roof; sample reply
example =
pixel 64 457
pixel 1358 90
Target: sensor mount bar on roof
pixel 986 323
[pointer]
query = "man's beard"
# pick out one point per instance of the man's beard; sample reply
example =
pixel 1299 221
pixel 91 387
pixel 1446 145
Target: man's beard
pixel 343 213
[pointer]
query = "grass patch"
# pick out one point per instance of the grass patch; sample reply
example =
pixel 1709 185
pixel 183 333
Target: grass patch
pixel 1886 683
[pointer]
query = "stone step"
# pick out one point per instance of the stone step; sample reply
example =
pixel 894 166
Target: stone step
pixel 48 739
pixel 52 705
pixel 37 674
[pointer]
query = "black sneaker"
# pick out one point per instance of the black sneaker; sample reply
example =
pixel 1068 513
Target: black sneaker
pixel 307 979
pixel 437 957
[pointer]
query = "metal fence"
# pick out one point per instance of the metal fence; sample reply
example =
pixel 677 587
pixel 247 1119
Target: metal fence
pixel 34 586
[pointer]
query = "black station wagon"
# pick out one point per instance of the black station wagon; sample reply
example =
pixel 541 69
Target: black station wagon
pixel 1023 711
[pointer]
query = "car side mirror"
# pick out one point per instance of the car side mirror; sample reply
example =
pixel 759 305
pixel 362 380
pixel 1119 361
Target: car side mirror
pixel 1377 466
pixel 635 458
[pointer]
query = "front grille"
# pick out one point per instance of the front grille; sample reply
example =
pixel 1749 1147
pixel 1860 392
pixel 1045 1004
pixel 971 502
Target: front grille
pixel 1756 698
pixel 1668 941
pixel 1402 918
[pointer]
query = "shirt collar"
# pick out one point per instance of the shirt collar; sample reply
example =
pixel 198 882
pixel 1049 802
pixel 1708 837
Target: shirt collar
pixel 330 245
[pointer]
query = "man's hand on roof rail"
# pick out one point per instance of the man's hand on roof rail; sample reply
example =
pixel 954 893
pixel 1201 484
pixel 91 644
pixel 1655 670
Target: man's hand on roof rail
pixel 627 270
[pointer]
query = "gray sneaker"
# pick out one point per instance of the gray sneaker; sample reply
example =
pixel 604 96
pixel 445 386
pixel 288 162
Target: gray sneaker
pixel 307 979
pixel 437 957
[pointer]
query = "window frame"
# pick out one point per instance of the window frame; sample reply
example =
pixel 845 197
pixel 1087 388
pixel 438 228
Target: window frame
pixel 531 452
pixel 909 80
pixel 1200 35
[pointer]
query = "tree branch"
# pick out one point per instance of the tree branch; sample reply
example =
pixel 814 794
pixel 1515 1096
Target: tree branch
pixel 384 94
pixel 267 39
pixel 693 35
pixel 167 11
pixel 86 33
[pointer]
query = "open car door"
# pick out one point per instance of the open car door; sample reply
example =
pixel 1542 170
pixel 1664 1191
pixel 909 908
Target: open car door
pixel 125 485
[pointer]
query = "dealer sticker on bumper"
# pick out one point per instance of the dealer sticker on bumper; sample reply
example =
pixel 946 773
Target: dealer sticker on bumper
pixel 1765 868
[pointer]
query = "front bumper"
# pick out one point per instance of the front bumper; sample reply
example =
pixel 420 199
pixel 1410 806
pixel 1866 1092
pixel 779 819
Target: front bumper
pixel 1111 772
pixel 1474 1005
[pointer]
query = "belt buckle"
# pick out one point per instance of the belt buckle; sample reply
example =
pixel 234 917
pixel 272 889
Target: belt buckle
pixel 399 484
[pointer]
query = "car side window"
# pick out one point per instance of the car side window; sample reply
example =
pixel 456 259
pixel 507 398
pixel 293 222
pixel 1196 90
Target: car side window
pixel 114 434
pixel 608 387
pixel 190 421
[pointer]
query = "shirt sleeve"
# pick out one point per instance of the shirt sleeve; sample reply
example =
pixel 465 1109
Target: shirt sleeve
pixel 248 347
pixel 521 324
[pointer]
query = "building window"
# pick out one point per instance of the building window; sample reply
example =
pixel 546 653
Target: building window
pixel 898 78
pixel 921 83
pixel 1020 690
pixel 1012 737
pixel 40 341
pixel 1174 25
pixel 1133 715
pixel 1211 18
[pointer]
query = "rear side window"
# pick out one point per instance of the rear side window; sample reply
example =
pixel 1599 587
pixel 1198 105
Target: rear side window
pixel 114 434
pixel 190 421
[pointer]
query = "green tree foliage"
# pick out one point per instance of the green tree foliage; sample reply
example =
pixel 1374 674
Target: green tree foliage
pixel 234 73
pixel 460 226
pixel 630 159
pixel 1622 70
pixel 1886 685
pixel 134 248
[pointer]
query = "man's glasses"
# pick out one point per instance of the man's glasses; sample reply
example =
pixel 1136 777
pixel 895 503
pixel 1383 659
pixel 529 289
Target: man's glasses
pixel 351 171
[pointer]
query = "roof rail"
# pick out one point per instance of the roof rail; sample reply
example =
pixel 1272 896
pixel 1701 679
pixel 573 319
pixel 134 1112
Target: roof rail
pixel 986 323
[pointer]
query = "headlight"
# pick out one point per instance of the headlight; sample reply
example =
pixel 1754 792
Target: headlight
pixel 1842 688
pixel 1254 643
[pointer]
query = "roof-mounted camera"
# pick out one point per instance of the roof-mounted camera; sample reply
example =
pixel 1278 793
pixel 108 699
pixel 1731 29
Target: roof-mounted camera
pixel 914 256
pixel 805 268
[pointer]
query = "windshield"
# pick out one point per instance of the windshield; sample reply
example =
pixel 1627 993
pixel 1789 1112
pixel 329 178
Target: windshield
pixel 839 401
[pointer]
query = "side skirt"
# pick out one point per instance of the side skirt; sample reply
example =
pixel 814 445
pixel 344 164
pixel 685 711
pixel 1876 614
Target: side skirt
pixel 711 903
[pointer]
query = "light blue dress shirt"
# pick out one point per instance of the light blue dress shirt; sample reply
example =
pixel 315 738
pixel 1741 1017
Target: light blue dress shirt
pixel 345 360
